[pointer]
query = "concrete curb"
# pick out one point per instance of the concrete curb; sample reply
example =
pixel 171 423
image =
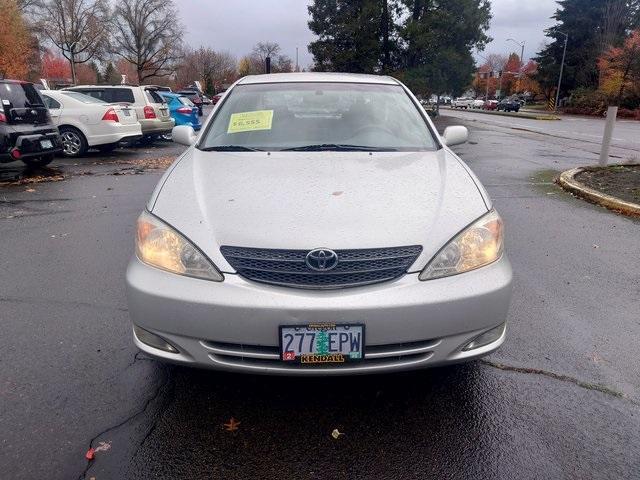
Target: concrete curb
pixel 567 181
pixel 529 116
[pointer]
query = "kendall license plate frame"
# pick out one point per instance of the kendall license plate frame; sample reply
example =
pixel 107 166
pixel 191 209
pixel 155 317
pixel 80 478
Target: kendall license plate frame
pixel 318 344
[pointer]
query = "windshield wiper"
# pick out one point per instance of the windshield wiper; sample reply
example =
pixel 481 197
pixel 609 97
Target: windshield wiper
pixel 340 147
pixel 230 148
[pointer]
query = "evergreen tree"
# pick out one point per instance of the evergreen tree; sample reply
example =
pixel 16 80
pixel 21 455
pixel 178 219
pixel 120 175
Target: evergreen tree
pixel 439 39
pixel 427 43
pixel 322 343
pixel 353 35
pixel 111 76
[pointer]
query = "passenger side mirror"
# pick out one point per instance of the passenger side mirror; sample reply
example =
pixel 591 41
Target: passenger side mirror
pixel 184 135
pixel 455 135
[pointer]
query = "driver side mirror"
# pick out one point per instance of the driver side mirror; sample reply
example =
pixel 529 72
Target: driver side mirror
pixel 455 135
pixel 184 135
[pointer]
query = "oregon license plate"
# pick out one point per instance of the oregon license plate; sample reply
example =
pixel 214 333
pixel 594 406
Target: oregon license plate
pixel 321 343
pixel 46 144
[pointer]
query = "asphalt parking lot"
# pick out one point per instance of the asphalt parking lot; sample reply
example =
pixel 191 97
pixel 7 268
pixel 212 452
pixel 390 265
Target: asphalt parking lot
pixel 559 400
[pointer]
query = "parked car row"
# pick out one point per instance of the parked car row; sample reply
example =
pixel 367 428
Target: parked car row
pixel 36 124
pixel 511 104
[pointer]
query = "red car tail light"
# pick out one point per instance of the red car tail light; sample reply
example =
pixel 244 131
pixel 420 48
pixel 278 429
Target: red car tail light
pixel 185 110
pixel 3 117
pixel 149 112
pixel 15 153
pixel 110 116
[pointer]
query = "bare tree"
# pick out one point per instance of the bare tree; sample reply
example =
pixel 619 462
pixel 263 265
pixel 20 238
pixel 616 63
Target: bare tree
pixel 148 36
pixel 255 63
pixel 262 50
pixel 76 27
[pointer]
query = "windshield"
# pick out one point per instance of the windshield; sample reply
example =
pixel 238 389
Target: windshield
pixel 186 101
pixel 82 97
pixel 318 116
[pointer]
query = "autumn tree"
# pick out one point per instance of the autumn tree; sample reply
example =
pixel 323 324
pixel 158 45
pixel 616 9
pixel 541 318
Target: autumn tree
pixel 55 67
pixel 15 41
pixel 148 36
pixel 620 69
pixel 76 28
pixel 593 27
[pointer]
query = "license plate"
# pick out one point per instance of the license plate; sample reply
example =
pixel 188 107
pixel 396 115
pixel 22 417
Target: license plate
pixel 321 343
pixel 127 113
pixel 46 144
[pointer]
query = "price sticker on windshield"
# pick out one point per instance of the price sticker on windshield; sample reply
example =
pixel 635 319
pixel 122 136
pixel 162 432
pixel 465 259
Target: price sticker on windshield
pixel 250 121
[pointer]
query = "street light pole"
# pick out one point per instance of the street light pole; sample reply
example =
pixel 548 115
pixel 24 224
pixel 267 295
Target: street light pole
pixel 521 60
pixel 564 52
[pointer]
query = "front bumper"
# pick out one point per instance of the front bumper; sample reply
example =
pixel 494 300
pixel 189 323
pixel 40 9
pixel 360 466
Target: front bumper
pixel 233 325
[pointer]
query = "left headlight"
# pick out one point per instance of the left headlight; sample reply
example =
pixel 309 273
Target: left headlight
pixel 478 245
pixel 159 245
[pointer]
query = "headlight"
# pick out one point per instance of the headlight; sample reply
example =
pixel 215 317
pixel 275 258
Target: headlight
pixel 159 245
pixel 478 245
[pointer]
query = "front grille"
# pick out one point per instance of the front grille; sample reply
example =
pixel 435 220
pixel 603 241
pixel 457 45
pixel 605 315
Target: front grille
pixel 288 267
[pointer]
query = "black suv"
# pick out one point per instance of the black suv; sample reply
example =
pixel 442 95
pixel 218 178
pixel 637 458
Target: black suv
pixel 26 130
pixel 509 105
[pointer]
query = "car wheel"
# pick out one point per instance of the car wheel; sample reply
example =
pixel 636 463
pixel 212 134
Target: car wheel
pixel 73 142
pixel 167 137
pixel 38 161
pixel 107 148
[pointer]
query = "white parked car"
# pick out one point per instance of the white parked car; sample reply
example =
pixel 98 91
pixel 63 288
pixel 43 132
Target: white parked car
pixel 86 122
pixel 462 102
pixel 477 103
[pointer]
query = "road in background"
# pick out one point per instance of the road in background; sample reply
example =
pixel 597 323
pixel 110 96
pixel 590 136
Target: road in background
pixel 558 400
pixel 589 130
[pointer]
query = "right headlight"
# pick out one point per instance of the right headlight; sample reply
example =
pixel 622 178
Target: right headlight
pixel 476 246
pixel 159 245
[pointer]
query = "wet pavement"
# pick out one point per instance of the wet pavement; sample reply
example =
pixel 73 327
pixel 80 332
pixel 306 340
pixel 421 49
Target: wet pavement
pixel 559 400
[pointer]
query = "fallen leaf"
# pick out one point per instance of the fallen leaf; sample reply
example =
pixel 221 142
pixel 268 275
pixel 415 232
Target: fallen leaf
pixel 596 246
pixel 30 190
pixel 90 455
pixel 232 426
pixel 336 433
pixel 102 447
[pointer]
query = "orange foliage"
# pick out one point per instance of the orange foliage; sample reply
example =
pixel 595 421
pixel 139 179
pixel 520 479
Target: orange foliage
pixel 620 68
pixel 15 42
pixel 55 67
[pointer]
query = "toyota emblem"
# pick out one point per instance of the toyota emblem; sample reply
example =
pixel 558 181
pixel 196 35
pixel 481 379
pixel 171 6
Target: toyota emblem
pixel 321 259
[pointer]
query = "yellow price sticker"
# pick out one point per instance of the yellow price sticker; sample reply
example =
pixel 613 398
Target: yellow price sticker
pixel 250 121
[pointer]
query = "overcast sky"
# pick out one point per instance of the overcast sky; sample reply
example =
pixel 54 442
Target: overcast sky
pixel 237 25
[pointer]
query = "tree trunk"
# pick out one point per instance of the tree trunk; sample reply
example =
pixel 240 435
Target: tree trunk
pixel 72 62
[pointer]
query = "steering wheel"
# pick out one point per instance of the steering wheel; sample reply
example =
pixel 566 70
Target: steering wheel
pixel 378 128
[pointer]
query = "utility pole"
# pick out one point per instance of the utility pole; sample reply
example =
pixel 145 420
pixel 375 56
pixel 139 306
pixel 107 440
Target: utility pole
pixel 521 61
pixel 297 65
pixel 564 52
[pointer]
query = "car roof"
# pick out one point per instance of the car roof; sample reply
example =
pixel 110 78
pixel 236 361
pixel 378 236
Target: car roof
pixel 317 77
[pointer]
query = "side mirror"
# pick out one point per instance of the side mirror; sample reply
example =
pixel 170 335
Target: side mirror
pixel 184 135
pixel 455 135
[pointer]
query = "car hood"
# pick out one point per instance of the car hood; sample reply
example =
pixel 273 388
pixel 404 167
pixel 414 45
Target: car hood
pixel 306 200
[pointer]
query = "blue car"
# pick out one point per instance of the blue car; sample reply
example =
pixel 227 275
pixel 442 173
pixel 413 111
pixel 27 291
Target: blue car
pixel 182 110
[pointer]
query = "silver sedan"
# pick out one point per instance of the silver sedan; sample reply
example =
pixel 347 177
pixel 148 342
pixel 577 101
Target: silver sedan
pixel 317 225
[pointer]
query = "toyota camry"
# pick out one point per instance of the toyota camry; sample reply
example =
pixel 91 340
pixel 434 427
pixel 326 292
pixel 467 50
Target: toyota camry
pixel 318 224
